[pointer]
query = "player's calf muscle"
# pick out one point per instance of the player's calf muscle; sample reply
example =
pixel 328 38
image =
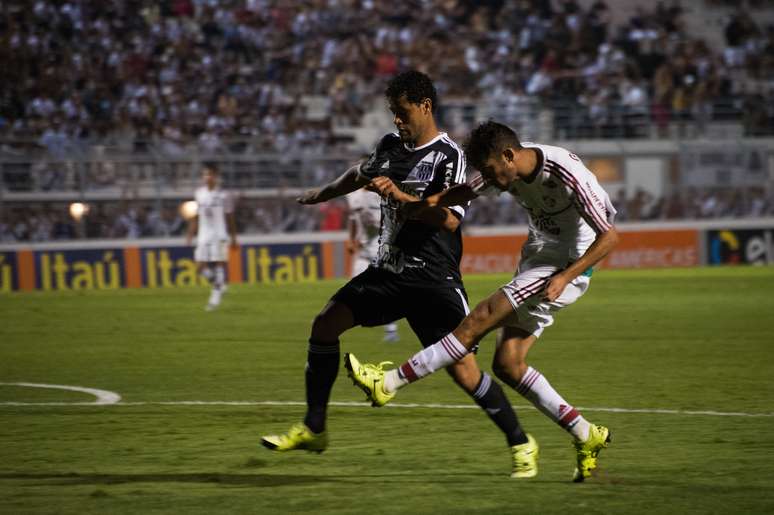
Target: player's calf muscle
pixel 465 373
pixel 508 369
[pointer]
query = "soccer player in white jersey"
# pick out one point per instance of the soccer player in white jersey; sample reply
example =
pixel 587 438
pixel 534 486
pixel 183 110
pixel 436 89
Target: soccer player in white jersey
pixel 365 213
pixel 570 230
pixel 215 228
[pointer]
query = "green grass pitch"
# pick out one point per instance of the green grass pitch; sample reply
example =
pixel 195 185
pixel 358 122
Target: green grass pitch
pixel 698 344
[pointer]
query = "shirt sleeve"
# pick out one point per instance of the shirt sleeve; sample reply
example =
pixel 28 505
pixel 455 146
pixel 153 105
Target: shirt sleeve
pixel 480 187
pixel 591 201
pixel 594 205
pixel 372 167
pixel 454 171
pixel 228 203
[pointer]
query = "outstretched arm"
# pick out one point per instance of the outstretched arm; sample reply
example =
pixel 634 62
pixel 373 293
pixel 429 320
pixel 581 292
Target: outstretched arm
pixel 193 226
pixel 348 182
pixel 457 195
pixel 436 215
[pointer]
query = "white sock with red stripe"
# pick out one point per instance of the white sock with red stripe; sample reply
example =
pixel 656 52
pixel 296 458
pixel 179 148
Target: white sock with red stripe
pixel 439 355
pixel 536 388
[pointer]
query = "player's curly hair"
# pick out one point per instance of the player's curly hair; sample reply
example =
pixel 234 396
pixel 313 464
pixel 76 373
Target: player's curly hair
pixel 488 139
pixel 415 85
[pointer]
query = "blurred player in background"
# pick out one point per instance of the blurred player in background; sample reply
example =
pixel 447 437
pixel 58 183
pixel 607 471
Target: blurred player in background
pixel 416 272
pixel 365 213
pixel 215 228
pixel 570 230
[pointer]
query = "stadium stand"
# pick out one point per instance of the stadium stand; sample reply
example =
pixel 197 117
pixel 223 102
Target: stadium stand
pixel 118 102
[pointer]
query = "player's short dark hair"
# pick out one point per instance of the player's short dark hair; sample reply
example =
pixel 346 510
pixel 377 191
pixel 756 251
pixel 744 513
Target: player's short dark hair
pixel 488 139
pixel 211 166
pixel 415 85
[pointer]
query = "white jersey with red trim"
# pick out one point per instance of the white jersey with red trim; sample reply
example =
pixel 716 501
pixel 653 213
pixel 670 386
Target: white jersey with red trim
pixel 567 207
pixel 212 206
pixel 365 210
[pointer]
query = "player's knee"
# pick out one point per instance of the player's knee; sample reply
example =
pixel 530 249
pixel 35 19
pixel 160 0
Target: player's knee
pixel 334 319
pixel 323 328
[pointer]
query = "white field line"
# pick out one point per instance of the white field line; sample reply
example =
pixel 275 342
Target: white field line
pixel 344 404
pixel 104 397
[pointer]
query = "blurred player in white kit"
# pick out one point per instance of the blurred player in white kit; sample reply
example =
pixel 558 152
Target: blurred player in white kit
pixel 364 220
pixel 215 228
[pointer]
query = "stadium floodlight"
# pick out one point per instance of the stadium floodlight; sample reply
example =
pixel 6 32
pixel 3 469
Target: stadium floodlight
pixel 78 210
pixel 188 209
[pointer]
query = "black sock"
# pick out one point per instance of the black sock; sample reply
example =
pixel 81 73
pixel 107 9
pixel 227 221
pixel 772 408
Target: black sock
pixel 490 396
pixel 322 366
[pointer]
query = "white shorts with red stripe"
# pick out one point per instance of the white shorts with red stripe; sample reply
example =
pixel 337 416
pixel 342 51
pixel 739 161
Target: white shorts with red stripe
pixel 525 292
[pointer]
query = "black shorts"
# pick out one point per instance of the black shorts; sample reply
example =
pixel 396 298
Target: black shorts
pixel 376 299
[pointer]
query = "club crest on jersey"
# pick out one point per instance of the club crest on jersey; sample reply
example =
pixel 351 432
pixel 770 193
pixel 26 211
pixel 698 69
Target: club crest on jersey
pixel 423 171
pixel 545 224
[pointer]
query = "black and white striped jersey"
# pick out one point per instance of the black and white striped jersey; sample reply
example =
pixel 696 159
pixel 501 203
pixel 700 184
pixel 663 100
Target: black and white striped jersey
pixel 419 254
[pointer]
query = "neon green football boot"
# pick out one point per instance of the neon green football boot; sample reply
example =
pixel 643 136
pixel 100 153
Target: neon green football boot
pixel 299 437
pixel 369 378
pixel 525 458
pixel 599 438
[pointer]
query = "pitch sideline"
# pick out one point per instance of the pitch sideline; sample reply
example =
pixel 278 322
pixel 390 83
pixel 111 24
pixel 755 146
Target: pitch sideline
pixel 108 398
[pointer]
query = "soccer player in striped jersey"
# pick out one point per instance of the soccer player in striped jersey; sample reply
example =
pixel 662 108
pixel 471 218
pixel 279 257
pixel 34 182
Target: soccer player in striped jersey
pixel 570 230
pixel 415 274
pixel 214 227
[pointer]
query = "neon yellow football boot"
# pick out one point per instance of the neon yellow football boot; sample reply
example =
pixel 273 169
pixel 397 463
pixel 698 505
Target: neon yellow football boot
pixel 369 378
pixel 599 438
pixel 299 437
pixel 525 458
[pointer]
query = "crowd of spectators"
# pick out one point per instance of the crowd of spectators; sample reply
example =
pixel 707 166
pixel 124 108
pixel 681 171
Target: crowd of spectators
pixel 40 222
pixel 233 75
pixel 174 77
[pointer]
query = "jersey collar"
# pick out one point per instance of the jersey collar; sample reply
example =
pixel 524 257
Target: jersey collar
pixel 437 138
pixel 541 161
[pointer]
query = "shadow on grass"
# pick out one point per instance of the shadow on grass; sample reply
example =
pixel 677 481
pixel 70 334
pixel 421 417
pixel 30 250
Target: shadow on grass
pixel 257 480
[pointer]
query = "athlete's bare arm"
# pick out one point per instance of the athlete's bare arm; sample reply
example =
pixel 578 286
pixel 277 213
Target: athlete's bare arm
pixel 601 247
pixel 348 182
pixel 193 226
pixel 457 195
